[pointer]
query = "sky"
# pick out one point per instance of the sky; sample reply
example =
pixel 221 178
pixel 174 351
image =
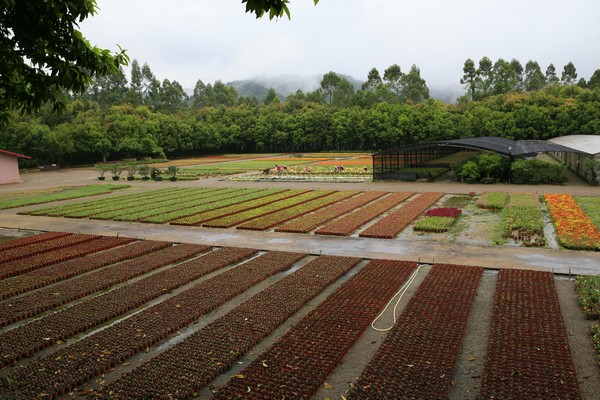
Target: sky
pixel 188 40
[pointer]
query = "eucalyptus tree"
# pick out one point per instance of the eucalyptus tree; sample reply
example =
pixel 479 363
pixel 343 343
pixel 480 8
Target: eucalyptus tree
pixel 534 77
pixel 551 77
pixel 569 74
pixel 414 88
pixel 469 78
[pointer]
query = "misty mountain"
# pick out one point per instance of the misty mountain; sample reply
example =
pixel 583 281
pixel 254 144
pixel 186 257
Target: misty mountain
pixel 285 85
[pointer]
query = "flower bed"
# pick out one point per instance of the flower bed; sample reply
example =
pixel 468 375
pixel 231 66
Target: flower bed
pixel 46 276
pixel 279 217
pixel 232 207
pixel 24 241
pixel 588 290
pixel 311 221
pixel 189 365
pixel 437 220
pixel 41 333
pixel 528 353
pixel 492 200
pixel 575 230
pixel 298 364
pixel 36 261
pixel 350 223
pixel 393 224
pixel 418 357
pixel 595 331
pixel 57 243
pixel 45 299
pixel 99 352
pixel 61 194
pixel 523 221
pixel 247 215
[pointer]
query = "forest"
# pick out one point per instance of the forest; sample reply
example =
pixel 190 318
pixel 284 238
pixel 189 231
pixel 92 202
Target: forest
pixel 120 117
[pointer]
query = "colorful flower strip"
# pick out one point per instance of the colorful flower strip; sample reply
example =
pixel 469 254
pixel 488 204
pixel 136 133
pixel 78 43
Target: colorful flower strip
pixel 191 364
pixel 42 260
pixel 345 226
pixel 41 333
pixel 444 212
pixel 45 299
pixel 45 246
pixel 247 215
pixel 390 226
pixel 528 354
pixel 492 200
pixel 104 349
pixel 230 208
pixel 418 358
pixel 24 241
pixel 270 220
pixel 575 229
pixel 298 364
pixel 45 276
pixel 309 222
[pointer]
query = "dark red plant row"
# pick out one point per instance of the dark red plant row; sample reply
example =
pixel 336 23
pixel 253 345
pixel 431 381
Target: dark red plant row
pixel 103 350
pixel 528 354
pixel 55 273
pixel 297 365
pixel 417 359
pixel 393 224
pixel 38 334
pixel 311 221
pixel 444 212
pixel 348 224
pixel 19 253
pixel 24 241
pixel 37 261
pixel 31 304
pixel 192 363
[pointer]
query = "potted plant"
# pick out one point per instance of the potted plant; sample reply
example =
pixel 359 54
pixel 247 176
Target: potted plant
pixel 155 174
pixel 116 170
pixel 172 172
pixel 144 171
pixel 101 169
pixel 131 171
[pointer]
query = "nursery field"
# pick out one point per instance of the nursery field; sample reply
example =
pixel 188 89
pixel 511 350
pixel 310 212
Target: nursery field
pixel 124 318
pixel 492 218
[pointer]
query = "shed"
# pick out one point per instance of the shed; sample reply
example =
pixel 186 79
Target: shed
pixel 9 166
pixel 588 146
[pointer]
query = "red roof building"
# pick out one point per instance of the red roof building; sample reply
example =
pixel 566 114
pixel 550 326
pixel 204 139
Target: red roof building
pixel 9 166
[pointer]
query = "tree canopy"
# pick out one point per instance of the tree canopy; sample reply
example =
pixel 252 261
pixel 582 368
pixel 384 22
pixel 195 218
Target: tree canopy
pixel 275 8
pixel 44 54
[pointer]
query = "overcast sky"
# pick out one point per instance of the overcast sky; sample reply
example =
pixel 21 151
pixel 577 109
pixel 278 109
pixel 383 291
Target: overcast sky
pixel 187 40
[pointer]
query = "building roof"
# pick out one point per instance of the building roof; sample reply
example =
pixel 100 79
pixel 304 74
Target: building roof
pixel 589 144
pixel 17 155
pixel 499 145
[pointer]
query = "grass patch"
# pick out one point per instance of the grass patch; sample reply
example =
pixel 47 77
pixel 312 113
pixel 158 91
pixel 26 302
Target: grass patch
pixel 63 193
pixel 588 289
pixel 591 206
pixel 457 202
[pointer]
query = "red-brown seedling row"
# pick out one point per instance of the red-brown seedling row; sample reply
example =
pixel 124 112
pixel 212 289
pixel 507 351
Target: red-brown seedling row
pixel 278 217
pixel 299 363
pixel 24 241
pixel 345 226
pixel 311 221
pixel 528 353
pixel 103 350
pixel 191 364
pixel 418 358
pixel 56 273
pixel 19 253
pixel 393 224
pixel 38 334
pixel 37 261
pixel 48 298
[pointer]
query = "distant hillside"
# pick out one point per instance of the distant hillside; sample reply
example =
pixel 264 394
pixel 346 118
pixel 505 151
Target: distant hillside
pixel 285 85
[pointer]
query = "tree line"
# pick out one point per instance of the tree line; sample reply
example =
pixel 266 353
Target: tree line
pixel 116 118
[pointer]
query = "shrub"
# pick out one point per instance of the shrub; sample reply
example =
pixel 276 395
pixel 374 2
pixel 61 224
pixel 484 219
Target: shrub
pixel 469 172
pixel 537 171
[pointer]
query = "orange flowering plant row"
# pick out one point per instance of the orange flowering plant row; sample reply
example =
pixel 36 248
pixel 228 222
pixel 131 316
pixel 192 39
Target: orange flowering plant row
pixel 575 229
